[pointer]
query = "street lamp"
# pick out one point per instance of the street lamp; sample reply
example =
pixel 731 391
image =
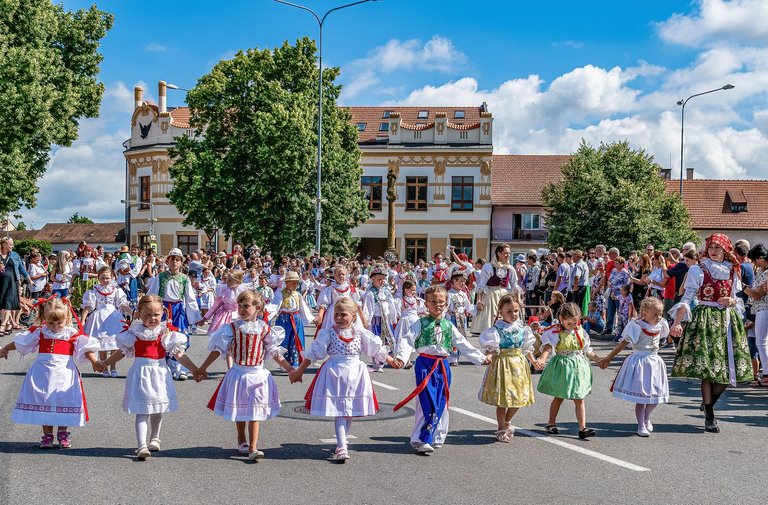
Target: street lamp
pixel 173 86
pixel 682 125
pixel 320 21
pixel 152 219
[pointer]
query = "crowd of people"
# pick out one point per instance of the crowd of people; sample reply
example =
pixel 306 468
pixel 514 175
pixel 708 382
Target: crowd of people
pixel 532 313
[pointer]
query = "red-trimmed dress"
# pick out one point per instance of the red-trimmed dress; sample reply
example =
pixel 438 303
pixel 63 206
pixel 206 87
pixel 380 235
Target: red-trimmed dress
pixel 52 392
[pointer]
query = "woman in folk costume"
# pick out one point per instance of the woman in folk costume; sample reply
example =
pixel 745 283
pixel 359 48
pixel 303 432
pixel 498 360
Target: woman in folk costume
pixel 713 347
pixel 179 300
pixel 380 310
pixel 293 314
pixel 326 301
pixel 85 270
pixel 496 279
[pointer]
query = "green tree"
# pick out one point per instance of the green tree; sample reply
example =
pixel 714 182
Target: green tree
pixel 613 195
pixel 21 226
pixel 22 247
pixel 77 218
pixel 48 68
pixel 253 175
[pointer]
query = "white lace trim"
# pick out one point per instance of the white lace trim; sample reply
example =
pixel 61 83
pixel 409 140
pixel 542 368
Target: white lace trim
pixel 719 271
pixel 63 334
pixel 144 333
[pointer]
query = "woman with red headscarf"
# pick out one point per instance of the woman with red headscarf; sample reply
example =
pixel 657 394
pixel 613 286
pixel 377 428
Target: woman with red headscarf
pixel 714 345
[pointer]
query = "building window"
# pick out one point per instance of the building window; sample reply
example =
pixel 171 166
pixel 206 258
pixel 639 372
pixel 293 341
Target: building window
pixel 532 222
pixel 415 193
pixel 373 188
pixel 144 243
pixel 386 114
pixel 415 249
pixel 738 207
pixel 463 134
pixel 383 127
pixel 145 192
pixel 361 127
pixel 423 114
pixel 458 114
pixel 187 243
pixel 462 192
pixel 417 135
pixel 462 245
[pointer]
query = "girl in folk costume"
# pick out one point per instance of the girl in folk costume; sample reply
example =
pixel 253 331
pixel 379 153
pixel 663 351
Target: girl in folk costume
pixel 412 308
pixel 433 337
pixel 356 293
pixel 247 394
pixel 496 279
pixel 422 284
pixel 207 290
pixel 438 273
pixel 459 308
pixel 276 281
pixel 61 274
pixel 642 378
pixel 293 314
pixel 307 288
pixel 52 392
pixel 179 301
pixel 149 391
pixel 509 344
pixel 568 375
pixel 102 307
pixel 380 310
pixel 85 271
pixel 713 347
pixel 224 308
pixel 399 276
pixel 342 387
pixel 326 301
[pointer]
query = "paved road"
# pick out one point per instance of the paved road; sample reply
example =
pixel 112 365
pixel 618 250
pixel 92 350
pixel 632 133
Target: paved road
pixel 679 464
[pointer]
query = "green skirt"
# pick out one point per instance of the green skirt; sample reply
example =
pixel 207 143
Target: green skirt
pixel 703 349
pixel 567 376
pixel 79 287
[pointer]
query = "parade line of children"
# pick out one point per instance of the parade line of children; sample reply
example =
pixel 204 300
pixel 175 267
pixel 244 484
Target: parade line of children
pixel 384 327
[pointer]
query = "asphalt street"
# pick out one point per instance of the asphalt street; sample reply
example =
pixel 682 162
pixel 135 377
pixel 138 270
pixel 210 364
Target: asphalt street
pixel 679 463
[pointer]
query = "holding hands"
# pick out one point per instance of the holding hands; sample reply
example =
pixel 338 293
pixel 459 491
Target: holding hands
pixel 3 353
pixel 295 375
pixel 99 366
pixel 200 374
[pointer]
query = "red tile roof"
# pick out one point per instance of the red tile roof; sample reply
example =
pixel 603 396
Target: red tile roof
pixel 93 233
pixel 374 116
pixel 519 179
pixel 180 117
pixel 709 208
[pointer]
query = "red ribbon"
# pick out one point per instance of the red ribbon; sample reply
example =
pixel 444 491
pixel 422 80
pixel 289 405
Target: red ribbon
pixel 423 384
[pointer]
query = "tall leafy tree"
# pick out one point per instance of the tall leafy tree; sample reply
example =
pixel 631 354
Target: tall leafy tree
pixel 49 62
pixel 613 195
pixel 251 173
pixel 77 218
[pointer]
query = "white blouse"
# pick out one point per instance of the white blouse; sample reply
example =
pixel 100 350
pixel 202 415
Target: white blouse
pixel 490 339
pixel 173 342
pixel 28 342
pixel 647 340
pixel 323 345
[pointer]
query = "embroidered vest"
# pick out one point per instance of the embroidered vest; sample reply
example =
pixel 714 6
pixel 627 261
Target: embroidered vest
pixel 712 289
pixel 509 339
pixel 56 346
pixel 286 305
pixel 495 281
pixel 152 349
pixel 165 277
pixel 427 335
pixel 248 348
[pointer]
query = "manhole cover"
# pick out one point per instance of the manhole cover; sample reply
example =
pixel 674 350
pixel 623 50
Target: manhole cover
pixel 297 410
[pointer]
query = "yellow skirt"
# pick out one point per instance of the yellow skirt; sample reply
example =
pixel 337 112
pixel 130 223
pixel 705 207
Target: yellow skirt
pixel 486 317
pixel 507 381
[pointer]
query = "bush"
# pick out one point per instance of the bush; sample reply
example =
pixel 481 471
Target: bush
pixel 23 246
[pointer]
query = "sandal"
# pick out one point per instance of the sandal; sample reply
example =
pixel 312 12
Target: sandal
pixel 552 429
pixel 503 436
pixel 586 433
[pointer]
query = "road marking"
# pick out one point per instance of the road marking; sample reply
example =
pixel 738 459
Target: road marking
pixel 385 386
pixel 333 440
pixel 555 441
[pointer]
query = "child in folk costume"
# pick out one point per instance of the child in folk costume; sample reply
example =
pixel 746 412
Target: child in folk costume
pixel 264 289
pixel 422 284
pixel 380 310
pixel 224 308
pixel 207 290
pixel 293 314
pixel 52 392
pixel 433 337
pixel 308 288
pixel 412 309
pixel 342 387
pixel 714 346
pixel 179 301
pixel 642 378
pixel 568 375
pixel 85 269
pixel 247 394
pixel 459 308
pixel 509 344
pixel 102 307
pixel 326 301
pixel 149 390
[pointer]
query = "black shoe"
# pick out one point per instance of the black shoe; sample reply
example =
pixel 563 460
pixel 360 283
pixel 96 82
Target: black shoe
pixel 701 407
pixel 586 433
pixel 711 426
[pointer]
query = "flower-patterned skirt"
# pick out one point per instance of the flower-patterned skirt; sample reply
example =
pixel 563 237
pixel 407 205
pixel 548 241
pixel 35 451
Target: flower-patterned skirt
pixel 703 352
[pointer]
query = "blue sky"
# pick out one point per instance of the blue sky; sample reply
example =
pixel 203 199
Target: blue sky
pixel 552 73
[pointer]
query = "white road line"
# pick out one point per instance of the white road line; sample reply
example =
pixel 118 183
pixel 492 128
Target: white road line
pixel 555 441
pixel 385 386
pixel 333 440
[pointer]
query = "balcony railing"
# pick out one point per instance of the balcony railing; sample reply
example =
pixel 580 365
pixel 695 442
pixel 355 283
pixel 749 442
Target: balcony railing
pixel 517 234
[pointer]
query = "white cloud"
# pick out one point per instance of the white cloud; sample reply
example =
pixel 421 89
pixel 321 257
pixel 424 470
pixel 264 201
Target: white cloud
pixel 154 47
pixel 718 20
pixel 437 54
pixel 573 44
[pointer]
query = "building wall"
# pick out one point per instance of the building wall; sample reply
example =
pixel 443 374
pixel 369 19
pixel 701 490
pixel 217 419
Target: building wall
pixel 753 236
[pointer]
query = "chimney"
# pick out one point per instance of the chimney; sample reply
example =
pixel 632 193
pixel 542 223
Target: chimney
pixel 138 92
pixel 689 173
pixel 161 96
pixel 665 173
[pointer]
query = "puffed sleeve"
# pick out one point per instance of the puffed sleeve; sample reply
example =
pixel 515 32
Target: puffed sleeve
pixel 318 349
pixel 693 281
pixel 27 341
pixel 174 342
pixel 529 341
pixel 324 299
pixel 489 340
pixel 467 349
pixel 372 347
pixel 407 338
pixel 585 338
pixel 126 342
pixel 368 305
pixel 221 340
pixel 85 344
pixel 631 332
pixel 304 311
pixel 272 341
pixel 482 279
pixel 551 338
pixel 664 330
pixel 89 299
